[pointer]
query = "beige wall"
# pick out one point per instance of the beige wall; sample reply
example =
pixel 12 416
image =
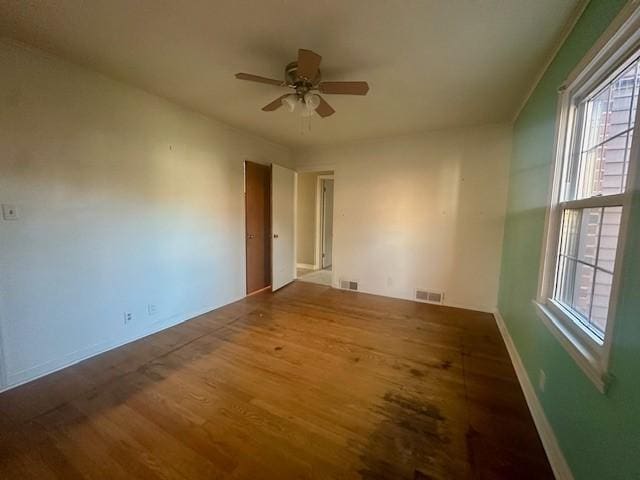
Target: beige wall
pixel 306 216
pixel 420 211
pixel 125 200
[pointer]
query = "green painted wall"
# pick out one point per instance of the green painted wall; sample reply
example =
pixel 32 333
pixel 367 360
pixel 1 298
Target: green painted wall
pixel 599 434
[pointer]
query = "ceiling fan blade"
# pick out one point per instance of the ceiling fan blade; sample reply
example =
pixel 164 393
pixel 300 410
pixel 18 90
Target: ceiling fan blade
pixel 308 63
pixel 324 109
pixel 276 104
pixel 344 88
pixel 259 79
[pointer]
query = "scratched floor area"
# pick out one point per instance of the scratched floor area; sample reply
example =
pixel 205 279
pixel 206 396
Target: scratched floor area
pixel 309 382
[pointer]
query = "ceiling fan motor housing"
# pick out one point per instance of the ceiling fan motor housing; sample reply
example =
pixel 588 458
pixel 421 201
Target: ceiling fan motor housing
pixel 301 85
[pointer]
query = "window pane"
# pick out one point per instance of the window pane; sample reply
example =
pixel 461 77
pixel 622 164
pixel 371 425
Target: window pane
pixel 580 232
pixel 565 280
pixel 597 110
pixel 587 174
pixel 601 170
pixel 611 171
pixel 601 161
pixel 609 237
pixel 601 297
pixel 635 93
pixel 583 290
pixel 569 235
pixel 586 259
pixel 612 166
pixel 588 234
pixel 622 92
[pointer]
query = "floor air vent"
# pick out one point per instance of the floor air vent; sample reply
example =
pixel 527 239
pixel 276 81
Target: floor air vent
pixel 348 285
pixel 430 297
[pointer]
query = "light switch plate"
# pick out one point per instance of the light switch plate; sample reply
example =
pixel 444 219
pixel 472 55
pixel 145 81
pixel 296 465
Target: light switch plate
pixel 9 212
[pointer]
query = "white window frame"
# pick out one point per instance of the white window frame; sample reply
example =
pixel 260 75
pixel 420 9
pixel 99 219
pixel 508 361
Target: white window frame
pixel 620 40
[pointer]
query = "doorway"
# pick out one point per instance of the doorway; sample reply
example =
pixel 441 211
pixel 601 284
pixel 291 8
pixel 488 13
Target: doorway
pixel 314 227
pixel 326 223
pixel 258 226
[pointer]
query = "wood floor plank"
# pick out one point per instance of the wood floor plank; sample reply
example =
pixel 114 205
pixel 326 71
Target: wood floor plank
pixel 309 382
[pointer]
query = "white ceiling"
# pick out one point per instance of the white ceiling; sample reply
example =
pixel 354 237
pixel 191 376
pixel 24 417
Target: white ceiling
pixel 430 63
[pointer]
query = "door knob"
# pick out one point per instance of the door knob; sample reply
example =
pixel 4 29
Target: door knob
pixel 275 235
pixel 251 236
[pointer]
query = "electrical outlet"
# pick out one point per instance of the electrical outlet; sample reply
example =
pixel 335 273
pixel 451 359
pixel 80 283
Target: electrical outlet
pixel 542 380
pixel 152 309
pixel 128 316
pixel 9 212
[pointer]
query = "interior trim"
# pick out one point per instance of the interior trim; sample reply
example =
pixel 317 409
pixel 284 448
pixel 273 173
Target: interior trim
pixel 559 464
pixel 562 38
pixel 576 347
pixel 43 369
pixel 306 266
pixel 3 365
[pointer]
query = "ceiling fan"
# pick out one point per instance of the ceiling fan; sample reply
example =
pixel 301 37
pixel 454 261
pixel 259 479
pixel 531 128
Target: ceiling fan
pixel 304 77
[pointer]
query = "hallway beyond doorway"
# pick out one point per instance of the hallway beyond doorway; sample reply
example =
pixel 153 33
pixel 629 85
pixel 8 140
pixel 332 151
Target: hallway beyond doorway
pixel 320 277
pixel 314 227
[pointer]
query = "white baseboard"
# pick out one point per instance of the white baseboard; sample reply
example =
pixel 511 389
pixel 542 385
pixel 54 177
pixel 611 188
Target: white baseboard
pixel 475 308
pixel 308 266
pixel 33 373
pixel 3 363
pixel 559 464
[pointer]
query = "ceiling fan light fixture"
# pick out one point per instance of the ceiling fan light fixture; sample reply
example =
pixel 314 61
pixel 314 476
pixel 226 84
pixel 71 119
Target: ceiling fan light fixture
pixel 303 76
pixel 290 101
pixel 311 100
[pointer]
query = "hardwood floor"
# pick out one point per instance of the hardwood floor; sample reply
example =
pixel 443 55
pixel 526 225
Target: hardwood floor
pixel 309 382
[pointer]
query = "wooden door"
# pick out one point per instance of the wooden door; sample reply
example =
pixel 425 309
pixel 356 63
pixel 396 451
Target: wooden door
pixel 258 225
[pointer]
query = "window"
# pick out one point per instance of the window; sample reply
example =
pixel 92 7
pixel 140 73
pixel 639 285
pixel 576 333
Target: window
pixel 591 198
pixel 593 180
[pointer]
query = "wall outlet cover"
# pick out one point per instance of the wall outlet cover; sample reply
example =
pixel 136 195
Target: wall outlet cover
pixel 9 212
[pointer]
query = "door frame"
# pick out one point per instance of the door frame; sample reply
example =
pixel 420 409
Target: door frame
pixel 318 232
pixel 244 228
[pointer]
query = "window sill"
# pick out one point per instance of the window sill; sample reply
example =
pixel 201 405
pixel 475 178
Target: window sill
pixel 581 353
